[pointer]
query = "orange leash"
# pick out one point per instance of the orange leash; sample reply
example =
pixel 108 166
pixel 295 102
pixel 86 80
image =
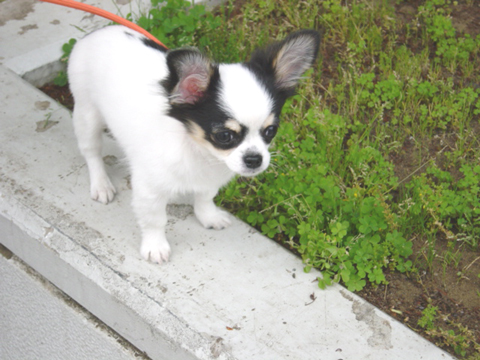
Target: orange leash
pixel 107 15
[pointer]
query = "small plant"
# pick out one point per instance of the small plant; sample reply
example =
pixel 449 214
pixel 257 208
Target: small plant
pixel 62 79
pixel 458 337
pixel 429 316
pixel 177 22
pixel 452 51
pixel 447 205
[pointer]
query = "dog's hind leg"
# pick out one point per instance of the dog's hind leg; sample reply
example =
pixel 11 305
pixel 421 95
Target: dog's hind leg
pixel 89 126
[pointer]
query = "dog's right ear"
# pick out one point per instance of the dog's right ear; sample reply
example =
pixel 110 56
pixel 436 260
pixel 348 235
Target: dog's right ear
pixel 190 74
pixel 284 62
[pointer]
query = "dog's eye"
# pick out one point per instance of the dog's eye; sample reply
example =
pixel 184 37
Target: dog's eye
pixel 224 137
pixel 270 132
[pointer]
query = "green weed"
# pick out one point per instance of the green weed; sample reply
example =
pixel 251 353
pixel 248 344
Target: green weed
pixel 448 205
pixel 62 79
pixel 429 315
pixel 177 22
pixel 451 51
pixel 459 339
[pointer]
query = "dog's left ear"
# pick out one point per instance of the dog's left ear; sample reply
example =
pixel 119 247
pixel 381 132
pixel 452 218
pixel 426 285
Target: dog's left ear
pixel 190 74
pixel 287 60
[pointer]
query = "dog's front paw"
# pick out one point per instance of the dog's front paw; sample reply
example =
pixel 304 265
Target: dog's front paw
pixel 102 190
pixel 154 249
pixel 216 219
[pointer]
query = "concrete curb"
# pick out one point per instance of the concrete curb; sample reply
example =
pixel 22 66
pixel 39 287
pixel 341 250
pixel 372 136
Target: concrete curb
pixel 231 294
pixel 48 324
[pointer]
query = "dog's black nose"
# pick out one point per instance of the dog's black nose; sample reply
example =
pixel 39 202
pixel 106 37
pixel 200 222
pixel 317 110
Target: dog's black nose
pixel 253 161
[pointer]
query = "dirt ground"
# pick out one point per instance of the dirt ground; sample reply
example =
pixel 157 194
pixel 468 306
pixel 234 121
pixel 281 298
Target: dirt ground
pixel 453 289
pixel 452 285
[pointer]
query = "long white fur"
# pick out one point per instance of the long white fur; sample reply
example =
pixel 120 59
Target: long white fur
pixel 114 79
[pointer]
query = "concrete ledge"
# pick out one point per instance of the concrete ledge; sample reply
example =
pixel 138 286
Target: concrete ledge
pixel 32 33
pixel 47 324
pixel 231 294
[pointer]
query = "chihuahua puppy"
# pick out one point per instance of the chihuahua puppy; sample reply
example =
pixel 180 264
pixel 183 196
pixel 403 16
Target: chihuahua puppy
pixel 186 124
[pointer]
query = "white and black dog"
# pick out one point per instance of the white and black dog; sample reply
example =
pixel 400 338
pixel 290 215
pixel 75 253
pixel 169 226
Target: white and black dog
pixel 186 125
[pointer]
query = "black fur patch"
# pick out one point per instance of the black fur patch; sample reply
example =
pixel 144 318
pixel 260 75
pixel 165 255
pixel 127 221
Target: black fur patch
pixel 153 45
pixel 206 113
pixel 262 65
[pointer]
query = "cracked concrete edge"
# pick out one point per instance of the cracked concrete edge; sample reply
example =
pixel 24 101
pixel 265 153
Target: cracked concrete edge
pixel 96 287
